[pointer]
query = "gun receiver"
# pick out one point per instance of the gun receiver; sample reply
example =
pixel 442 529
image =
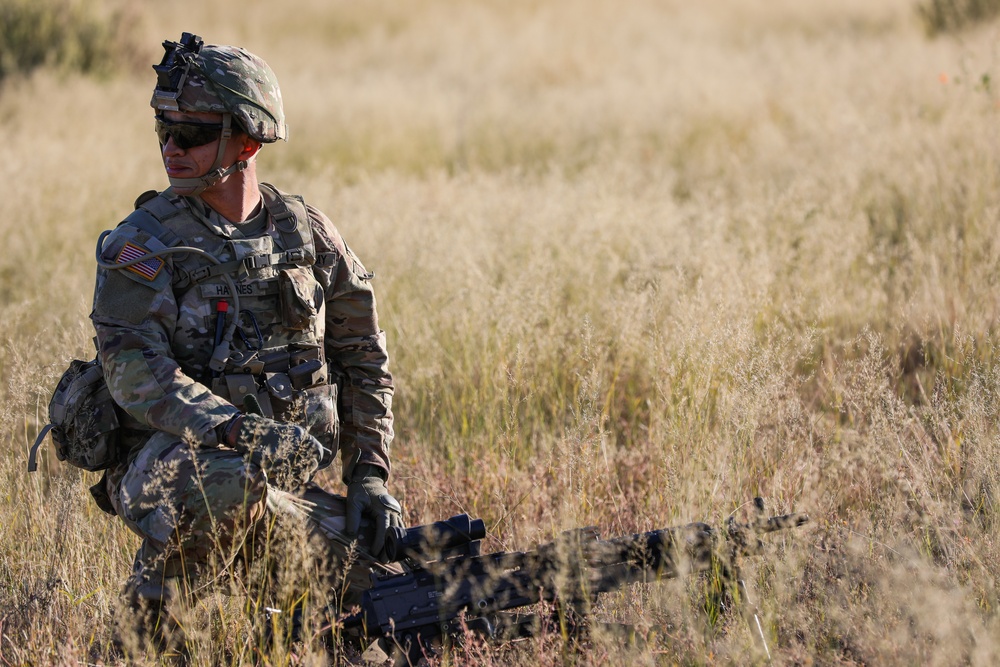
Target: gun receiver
pixel 450 583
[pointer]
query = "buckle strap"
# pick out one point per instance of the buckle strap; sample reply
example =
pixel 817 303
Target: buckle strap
pixel 198 275
pixel 280 216
pixel 294 256
pixel 258 261
pixel 33 454
pixel 149 223
pixel 277 209
pixel 291 220
pixel 207 272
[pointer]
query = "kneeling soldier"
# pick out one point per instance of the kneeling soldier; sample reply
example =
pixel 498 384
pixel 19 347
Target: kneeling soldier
pixel 238 334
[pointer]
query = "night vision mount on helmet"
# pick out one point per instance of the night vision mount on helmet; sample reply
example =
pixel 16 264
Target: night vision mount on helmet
pixel 228 80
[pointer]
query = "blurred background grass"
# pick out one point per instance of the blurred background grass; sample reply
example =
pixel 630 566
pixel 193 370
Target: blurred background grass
pixel 636 265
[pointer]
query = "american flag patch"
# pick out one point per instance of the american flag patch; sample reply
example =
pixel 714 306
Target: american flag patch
pixel 148 269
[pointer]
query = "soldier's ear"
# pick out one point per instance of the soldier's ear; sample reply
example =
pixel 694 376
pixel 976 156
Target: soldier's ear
pixel 249 147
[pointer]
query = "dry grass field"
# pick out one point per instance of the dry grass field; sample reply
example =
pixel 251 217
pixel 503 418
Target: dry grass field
pixel 637 263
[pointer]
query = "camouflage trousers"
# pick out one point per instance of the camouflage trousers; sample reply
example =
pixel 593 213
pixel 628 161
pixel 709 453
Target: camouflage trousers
pixel 208 515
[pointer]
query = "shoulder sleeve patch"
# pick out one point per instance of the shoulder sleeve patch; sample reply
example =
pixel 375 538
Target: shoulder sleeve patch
pixel 148 269
pixel 128 244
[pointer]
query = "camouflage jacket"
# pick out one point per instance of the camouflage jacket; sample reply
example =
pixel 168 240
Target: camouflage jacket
pixel 156 326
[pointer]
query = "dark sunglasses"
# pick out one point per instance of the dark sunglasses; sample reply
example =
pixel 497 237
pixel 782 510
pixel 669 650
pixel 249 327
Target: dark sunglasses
pixel 186 134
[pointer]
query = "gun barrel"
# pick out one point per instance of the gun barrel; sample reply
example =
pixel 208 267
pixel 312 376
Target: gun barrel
pixel 668 552
pixel 783 522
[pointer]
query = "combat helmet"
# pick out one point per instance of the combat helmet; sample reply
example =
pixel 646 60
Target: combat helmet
pixel 227 80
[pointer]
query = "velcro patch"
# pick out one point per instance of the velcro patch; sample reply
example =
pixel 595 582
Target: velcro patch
pixel 148 269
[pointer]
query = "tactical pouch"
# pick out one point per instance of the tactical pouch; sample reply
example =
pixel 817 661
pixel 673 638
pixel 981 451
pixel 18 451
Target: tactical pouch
pixel 235 387
pixel 306 367
pixel 301 297
pixel 83 419
pixel 308 374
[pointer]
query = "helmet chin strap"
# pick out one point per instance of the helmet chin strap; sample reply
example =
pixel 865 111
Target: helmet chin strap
pixel 215 173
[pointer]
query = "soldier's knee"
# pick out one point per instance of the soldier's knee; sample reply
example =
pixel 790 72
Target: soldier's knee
pixel 172 492
pixel 228 486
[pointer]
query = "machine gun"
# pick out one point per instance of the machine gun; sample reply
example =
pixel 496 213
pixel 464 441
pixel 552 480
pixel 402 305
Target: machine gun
pixel 450 587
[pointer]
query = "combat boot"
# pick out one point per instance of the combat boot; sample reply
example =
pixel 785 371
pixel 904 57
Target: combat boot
pixel 145 627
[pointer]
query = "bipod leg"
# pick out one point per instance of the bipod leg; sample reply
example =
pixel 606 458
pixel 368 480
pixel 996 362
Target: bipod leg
pixel 752 609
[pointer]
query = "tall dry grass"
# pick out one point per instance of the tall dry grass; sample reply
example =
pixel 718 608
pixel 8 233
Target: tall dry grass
pixel 636 266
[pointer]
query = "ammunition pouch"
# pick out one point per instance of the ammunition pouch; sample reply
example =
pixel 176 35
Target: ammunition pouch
pixel 301 298
pixel 276 378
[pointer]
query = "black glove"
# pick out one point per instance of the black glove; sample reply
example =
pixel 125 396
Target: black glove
pixel 367 493
pixel 286 452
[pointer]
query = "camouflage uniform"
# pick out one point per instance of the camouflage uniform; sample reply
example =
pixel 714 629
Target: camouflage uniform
pixel 306 301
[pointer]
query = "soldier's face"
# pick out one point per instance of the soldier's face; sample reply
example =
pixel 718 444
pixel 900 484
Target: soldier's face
pixel 194 161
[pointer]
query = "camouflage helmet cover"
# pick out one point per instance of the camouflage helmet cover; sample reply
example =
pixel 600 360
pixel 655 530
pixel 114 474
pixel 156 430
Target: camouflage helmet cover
pixel 222 79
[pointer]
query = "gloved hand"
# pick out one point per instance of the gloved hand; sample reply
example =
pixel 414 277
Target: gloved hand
pixel 368 493
pixel 286 452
